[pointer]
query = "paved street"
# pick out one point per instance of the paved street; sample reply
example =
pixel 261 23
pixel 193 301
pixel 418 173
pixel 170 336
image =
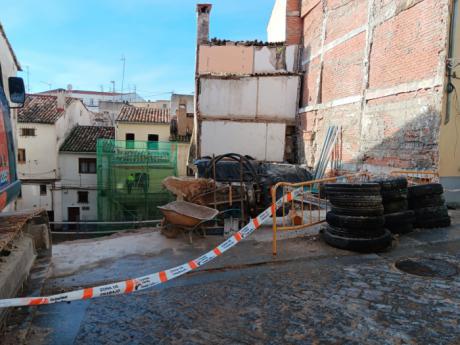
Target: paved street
pixel 352 299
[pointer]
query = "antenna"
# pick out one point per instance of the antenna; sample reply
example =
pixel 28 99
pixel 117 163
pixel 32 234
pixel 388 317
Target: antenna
pixel 123 75
pixel 49 84
pixel 113 90
pixel 28 79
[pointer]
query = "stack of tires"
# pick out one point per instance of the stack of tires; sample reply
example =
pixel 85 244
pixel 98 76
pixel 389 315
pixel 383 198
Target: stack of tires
pixel 428 203
pixel 398 218
pixel 356 220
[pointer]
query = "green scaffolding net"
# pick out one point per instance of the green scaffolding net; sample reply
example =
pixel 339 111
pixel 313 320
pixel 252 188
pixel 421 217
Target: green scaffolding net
pixel 129 176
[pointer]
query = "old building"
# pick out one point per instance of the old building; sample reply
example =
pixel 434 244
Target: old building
pixel 92 98
pixel 75 194
pixel 182 113
pixel 378 69
pixel 143 124
pixel 43 125
pixel 246 96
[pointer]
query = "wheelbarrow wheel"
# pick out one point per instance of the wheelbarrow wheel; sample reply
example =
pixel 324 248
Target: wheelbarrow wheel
pixel 170 231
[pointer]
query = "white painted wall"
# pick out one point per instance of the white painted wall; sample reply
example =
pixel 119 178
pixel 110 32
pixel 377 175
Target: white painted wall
pixel 42 159
pixel 69 198
pixel 277 97
pixel 41 152
pixel 263 141
pixel 69 175
pixel 42 149
pixel 276 29
pixel 75 114
pixel 31 197
pixel 228 97
pixel 66 193
pixel 249 97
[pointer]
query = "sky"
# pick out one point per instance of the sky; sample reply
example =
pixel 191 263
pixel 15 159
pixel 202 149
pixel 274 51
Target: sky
pixel 82 42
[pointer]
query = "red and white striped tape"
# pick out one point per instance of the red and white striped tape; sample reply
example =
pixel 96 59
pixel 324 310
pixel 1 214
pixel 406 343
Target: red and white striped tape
pixel 148 281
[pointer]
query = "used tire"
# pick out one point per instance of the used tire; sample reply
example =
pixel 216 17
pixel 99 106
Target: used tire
pixel 392 183
pixel 428 213
pixel 434 223
pixel 352 188
pixel 353 222
pixel 356 233
pixel 425 189
pixel 427 201
pixel 395 206
pixel 363 212
pixel 365 202
pixel 394 195
pixel 399 218
pixel 364 245
pixel 401 229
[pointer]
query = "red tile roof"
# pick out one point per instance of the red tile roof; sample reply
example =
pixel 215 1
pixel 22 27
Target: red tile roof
pixel 84 138
pixel 42 109
pixel 130 113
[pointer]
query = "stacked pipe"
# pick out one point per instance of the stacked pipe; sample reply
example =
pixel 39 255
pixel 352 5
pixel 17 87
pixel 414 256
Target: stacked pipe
pixel 428 204
pixel 356 220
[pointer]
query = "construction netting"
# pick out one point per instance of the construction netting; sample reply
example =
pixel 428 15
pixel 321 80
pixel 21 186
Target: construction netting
pixel 129 176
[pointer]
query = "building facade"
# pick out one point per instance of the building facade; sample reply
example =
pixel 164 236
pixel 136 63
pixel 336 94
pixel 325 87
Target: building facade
pixel 43 124
pixel 384 72
pixel 91 99
pixel 246 96
pixel 75 196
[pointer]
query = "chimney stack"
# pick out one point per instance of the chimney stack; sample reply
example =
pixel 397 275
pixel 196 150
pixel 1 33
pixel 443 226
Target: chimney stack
pixel 60 106
pixel 203 11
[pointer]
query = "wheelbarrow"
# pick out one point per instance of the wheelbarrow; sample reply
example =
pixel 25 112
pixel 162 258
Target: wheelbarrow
pixel 185 217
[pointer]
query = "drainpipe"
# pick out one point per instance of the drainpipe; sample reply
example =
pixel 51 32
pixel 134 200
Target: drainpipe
pixel 450 87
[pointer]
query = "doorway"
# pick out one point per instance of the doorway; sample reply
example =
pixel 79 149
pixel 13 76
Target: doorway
pixel 73 215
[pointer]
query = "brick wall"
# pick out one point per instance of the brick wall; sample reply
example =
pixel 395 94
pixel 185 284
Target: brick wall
pixel 293 22
pixel 379 75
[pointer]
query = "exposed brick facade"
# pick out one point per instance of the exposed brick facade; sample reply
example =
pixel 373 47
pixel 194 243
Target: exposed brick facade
pixel 377 68
pixel 293 22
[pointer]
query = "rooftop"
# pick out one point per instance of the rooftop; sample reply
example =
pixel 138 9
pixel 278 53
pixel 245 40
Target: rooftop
pixel 86 92
pixel 42 109
pixel 84 138
pixel 130 113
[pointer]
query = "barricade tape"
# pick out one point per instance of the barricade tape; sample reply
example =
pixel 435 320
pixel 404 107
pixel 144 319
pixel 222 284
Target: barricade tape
pixel 148 281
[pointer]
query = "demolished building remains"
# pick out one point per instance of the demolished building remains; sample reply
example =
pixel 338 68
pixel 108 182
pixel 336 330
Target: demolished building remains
pixel 383 71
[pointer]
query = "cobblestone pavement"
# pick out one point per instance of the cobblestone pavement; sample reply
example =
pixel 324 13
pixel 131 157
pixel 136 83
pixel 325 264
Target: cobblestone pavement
pixel 352 300
pixel 341 298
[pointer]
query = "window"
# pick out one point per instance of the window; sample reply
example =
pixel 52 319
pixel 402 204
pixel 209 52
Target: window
pixel 91 102
pixel 43 189
pixel 190 114
pixel 152 141
pixel 21 156
pixel 87 165
pixel 82 197
pixel 153 137
pixel 129 140
pixel 28 132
